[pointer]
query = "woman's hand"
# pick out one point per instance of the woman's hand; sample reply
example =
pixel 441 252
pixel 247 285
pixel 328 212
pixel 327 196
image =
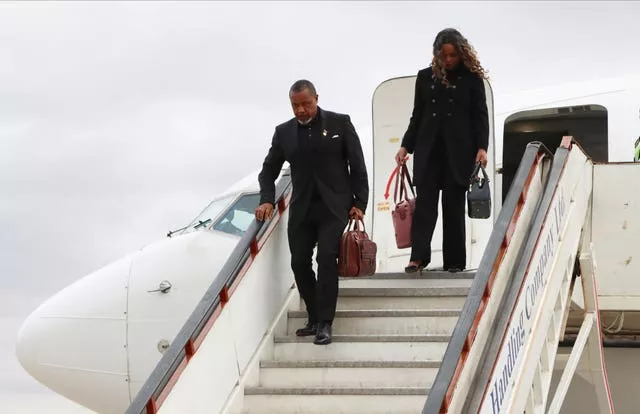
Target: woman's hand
pixel 401 155
pixel 481 158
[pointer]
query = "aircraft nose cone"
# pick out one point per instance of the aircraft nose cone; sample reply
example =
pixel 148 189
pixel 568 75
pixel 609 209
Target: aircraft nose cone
pixel 67 343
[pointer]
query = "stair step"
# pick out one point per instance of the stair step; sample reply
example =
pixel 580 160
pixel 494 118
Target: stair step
pixel 366 338
pixel 362 347
pixel 426 274
pixel 356 374
pixel 349 364
pixel 381 322
pixel 388 313
pixel 377 403
pixel 404 287
pixel 399 302
pixel 337 391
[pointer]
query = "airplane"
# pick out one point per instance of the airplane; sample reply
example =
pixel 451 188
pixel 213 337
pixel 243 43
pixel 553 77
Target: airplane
pixel 96 341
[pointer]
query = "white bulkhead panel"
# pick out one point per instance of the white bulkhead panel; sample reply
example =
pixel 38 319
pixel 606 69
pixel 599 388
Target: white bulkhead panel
pixel 616 226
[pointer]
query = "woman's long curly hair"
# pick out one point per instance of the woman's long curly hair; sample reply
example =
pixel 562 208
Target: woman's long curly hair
pixel 467 53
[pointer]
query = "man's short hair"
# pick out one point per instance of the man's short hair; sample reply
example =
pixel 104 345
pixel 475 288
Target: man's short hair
pixel 302 84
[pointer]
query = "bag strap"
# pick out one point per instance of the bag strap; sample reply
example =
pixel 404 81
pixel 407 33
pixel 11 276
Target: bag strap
pixel 474 176
pixel 408 176
pixel 356 225
pixel 395 187
pixel 402 173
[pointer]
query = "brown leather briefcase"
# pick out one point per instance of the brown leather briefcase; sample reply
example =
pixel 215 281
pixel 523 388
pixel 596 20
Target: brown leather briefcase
pixel 357 252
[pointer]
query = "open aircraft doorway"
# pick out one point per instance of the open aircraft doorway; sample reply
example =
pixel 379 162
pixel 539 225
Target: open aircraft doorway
pixel 393 103
pixel 588 123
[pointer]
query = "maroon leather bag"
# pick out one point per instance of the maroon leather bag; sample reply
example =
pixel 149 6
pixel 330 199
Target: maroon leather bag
pixel 357 252
pixel 402 214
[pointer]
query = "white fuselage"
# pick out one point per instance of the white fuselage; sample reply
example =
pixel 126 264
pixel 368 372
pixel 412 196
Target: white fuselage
pixel 97 341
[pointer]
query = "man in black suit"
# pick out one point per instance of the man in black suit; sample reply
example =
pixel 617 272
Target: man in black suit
pixel 330 184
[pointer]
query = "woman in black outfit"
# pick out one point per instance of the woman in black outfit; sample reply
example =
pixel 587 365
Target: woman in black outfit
pixel 448 134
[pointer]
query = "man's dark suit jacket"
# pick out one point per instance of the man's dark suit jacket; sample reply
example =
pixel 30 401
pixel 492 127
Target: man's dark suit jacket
pixel 337 167
pixel 459 112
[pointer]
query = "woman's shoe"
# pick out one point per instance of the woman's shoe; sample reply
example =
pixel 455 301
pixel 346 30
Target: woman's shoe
pixel 454 269
pixel 414 267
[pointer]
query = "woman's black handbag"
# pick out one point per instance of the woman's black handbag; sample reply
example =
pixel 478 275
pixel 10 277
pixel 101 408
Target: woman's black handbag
pixel 479 195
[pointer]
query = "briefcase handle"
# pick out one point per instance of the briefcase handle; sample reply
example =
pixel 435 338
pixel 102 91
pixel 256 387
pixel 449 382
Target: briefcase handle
pixel 356 225
pixel 403 172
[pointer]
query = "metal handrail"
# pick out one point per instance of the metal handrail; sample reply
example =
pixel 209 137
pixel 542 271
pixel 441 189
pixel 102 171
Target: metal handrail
pixel 465 330
pixel 183 347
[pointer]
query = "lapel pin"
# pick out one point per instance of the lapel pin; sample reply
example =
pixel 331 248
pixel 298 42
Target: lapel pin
pixel 324 132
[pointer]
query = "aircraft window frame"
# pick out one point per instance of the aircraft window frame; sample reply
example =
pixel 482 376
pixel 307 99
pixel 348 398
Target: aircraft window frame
pixel 204 220
pixel 235 230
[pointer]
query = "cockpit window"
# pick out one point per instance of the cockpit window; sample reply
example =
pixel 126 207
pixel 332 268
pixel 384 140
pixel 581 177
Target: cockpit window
pixel 240 215
pixel 209 214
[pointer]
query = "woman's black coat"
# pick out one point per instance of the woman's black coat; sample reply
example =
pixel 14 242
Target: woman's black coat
pixel 459 110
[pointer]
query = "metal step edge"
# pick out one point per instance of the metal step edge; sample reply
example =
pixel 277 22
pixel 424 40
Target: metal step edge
pixel 390 313
pixel 365 338
pixel 337 391
pixel 426 274
pixel 349 364
pixel 403 292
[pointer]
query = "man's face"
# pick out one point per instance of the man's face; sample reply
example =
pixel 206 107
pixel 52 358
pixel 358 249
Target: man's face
pixel 304 105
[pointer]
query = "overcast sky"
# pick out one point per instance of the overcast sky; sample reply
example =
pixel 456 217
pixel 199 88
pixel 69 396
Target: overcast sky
pixel 120 121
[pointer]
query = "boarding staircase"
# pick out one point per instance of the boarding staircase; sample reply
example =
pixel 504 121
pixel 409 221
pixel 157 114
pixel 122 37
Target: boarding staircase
pixel 482 341
pixel 390 334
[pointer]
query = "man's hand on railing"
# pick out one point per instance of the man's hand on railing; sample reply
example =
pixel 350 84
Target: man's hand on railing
pixel 264 211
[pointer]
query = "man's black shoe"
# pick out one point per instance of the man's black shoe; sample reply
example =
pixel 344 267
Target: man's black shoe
pixel 323 337
pixel 310 329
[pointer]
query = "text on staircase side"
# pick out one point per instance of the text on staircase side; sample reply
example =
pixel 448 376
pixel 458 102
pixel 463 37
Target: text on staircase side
pixel 501 383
